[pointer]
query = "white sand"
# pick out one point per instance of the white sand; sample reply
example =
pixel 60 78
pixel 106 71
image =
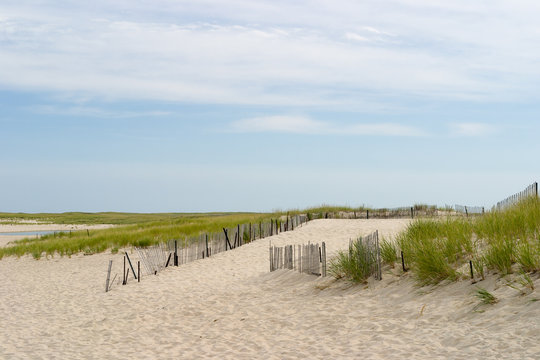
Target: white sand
pixel 6 240
pixel 229 306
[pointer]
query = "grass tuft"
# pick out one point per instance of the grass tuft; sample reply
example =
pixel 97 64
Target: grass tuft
pixel 355 264
pixel 485 296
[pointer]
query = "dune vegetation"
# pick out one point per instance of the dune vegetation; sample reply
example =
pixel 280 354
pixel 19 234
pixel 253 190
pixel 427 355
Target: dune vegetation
pixel 135 229
pixel 500 241
pixel 138 234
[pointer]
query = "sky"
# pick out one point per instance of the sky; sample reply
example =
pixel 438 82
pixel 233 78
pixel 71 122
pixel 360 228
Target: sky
pixel 197 106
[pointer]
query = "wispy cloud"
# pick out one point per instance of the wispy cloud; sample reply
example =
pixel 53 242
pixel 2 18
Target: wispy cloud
pixel 472 129
pixel 170 51
pixel 308 126
pixel 85 111
pixel 356 37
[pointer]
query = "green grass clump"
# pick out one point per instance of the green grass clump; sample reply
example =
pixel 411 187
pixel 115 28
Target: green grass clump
pixel 485 296
pixel 389 253
pixel 434 249
pixel 431 247
pixel 355 265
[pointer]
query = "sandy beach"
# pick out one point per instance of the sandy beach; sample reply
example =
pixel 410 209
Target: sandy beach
pixel 229 306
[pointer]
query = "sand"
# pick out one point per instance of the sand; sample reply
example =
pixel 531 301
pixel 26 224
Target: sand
pixel 230 307
pixel 32 226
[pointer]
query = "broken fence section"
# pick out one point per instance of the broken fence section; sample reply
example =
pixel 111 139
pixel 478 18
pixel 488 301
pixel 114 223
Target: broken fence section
pixel 307 259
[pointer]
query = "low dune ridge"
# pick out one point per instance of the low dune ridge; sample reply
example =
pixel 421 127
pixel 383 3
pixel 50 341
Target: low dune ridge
pixel 229 306
pixel 35 226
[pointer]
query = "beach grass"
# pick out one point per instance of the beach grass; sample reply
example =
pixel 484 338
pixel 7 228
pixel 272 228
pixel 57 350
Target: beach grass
pixel 140 235
pixel 354 264
pixel 497 241
pixel 485 296
pixel 87 218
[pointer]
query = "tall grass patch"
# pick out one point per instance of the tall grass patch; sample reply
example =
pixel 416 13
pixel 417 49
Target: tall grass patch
pixel 435 249
pixel 356 264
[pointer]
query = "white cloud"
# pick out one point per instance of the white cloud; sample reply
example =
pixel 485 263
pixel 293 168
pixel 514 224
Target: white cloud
pixel 306 125
pixel 83 111
pixel 472 129
pixel 171 51
pixel 353 36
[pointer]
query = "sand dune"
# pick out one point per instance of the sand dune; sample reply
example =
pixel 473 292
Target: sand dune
pixel 230 307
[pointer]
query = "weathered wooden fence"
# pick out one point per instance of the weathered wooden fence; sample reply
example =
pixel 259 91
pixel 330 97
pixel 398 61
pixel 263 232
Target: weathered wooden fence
pixel 469 210
pixel 531 190
pixel 176 252
pixel 307 259
pixel 401 212
pixel 367 253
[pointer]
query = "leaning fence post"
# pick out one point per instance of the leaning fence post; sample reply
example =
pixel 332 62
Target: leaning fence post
pixel 227 242
pixel 138 271
pixel 403 262
pixel 472 274
pixel 108 276
pixel 131 266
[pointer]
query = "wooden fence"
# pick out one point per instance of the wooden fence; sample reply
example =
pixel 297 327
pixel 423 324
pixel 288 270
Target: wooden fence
pixel 469 210
pixel 531 190
pixel 402 212
pixel 367 255
pixel 307 259
pixel 176 252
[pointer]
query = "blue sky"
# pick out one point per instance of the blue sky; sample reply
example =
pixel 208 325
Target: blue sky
pixel 261 105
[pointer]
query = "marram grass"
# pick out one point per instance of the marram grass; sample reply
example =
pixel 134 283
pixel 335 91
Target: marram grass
pixel 498 241
pixel 144 234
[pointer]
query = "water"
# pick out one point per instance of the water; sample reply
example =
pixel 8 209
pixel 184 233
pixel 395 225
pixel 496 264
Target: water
pixel 31 233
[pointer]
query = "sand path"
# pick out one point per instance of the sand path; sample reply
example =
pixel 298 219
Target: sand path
pixel 230 307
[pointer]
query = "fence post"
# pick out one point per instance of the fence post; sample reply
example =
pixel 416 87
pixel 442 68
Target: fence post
pixel 403 262
pixel 412 212
pixel 323 259
pixel 175 253
pixel 124 272
pixel 379 264
pixel 108 276
pixel 227 242
pixel 131 266
pixel 138 271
